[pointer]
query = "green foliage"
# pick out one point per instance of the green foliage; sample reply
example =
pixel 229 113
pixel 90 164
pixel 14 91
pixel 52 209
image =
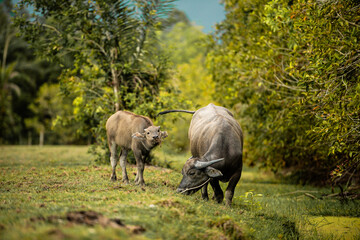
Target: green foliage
pixel 10 75
pixel 8 91
pixel 186 47
pixel 290 72
pixel 47 109
pixel 184 42
pixel 109 45
pixel 21 75
pixel 115 60
pixel 333 90
pixel 250 200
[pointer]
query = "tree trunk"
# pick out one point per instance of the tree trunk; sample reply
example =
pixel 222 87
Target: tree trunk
pixel 116 92
pixel 29 138
pixel 8 37
pixel 41 138
pixel 115 79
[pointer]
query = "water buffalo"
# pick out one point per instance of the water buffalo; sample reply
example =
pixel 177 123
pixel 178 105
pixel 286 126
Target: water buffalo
pixel 131 132
pixel 216 142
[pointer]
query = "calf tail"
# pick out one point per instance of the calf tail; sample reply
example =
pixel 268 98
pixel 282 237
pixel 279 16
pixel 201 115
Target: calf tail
pixel 170 111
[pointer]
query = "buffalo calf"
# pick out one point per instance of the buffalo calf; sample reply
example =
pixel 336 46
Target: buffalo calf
pixel 131 132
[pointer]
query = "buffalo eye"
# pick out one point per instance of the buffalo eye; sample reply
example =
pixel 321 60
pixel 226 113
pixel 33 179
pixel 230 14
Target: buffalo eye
pixel 191 172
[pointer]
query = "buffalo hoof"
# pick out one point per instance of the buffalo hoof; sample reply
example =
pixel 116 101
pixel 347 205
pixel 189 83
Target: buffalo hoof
pixel 228 197
pixel 125 181
pixel 228 203
pixel 218 199
pixel 113 178
pixel 205 198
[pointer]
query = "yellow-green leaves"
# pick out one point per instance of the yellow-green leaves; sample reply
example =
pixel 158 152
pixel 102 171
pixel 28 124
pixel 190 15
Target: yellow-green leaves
pixel 291 75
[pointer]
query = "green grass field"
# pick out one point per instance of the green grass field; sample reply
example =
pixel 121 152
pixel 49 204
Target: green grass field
pixel 39 187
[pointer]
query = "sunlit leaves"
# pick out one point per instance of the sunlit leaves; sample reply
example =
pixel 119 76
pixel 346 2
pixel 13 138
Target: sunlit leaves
pixel 101 45
pixel 294 67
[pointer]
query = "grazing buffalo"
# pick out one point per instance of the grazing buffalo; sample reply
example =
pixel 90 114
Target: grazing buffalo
pixel 216 142
pixel 131 132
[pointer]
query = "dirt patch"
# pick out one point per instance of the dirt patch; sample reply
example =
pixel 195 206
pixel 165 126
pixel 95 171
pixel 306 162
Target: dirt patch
pixel 230 228
pixel 90 218
pixel 169 203
pixel 57 234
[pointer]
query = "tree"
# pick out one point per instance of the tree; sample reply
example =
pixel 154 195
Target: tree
pixel 16 75
pixel 116 61
pixel 110 38
pixel 186 46
pixel 289 71
pixel 8 89
pixel 175 16
pixel 47 107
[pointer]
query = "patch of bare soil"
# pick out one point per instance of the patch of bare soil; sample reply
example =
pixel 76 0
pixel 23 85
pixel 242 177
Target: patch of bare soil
pixel 91 218
pixel 56 234
pixel 229 228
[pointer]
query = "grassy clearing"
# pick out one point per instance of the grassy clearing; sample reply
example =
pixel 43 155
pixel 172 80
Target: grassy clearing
pixel 40 184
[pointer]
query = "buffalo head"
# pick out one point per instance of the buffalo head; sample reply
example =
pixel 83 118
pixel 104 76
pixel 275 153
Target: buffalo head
pixel 196 173
pixel 152 134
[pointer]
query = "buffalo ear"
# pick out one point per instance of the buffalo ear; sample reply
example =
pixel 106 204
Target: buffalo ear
pixel 163 134
pixel 138 135
pixel 212 172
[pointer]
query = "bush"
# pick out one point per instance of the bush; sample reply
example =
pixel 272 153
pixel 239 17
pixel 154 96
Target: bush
pixel 290 71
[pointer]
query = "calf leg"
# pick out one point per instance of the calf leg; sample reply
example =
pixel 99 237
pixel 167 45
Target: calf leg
pixel 140 162
pixel 123 155
pixel 204 192
pixel 113 160
pixel 229 193
pixel 218 193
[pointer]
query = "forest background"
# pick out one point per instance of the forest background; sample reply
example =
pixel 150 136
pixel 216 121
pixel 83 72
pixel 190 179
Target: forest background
pixel 288 70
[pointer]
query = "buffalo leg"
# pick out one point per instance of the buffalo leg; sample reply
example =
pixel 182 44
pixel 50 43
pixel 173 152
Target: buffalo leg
pixel 123 155
pixel 140 160
pixel 229 193
pixel 218 193
pixel 204 192
pixel 113 160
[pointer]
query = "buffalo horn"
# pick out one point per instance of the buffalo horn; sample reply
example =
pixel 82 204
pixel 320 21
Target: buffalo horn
pixel 201 165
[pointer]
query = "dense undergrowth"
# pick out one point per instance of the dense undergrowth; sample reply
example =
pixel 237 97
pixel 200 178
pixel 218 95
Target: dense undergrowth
pixel 290 70
pixel 40 186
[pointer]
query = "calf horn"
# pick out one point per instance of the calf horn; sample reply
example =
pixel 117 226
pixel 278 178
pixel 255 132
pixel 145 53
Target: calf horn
pixel 201 165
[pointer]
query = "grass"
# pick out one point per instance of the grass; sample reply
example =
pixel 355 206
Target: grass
pixel 40 184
